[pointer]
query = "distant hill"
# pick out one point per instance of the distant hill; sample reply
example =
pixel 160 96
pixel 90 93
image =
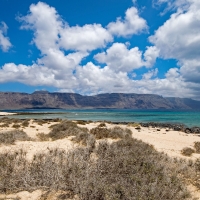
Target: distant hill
pixel 44 99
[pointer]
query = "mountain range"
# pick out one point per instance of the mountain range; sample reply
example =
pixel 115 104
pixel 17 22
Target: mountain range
pixel 45 99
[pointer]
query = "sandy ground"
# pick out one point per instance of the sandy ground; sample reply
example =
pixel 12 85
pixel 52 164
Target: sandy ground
pixel 6 113
pixel 169 142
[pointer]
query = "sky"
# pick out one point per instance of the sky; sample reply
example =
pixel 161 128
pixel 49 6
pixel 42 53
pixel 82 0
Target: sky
pixel 102 46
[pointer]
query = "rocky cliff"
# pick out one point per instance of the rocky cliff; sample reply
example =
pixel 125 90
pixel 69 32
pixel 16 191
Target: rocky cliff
pixel 10 100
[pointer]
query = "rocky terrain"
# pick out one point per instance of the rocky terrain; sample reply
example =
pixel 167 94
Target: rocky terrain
pixel 44 99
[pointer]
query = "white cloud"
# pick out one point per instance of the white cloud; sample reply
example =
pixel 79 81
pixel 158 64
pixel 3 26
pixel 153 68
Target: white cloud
pixel 150 56
pixel 46 24
pixel 132 24
pixel 150 74
pixel 171 5
pixel 51 32
pixel 86 38
pixel 5 44
pixel 179 38
pixel 119 58
pixel 94 79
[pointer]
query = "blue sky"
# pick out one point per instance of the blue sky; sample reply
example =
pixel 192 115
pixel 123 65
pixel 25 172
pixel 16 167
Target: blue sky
pixel 91 47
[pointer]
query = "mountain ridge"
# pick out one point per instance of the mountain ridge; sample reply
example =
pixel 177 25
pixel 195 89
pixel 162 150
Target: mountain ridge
pixel 45 99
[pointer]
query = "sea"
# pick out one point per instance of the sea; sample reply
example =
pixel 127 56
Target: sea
pixel 188 118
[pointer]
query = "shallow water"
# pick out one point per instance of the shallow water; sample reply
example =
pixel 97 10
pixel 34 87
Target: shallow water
pixel 188 118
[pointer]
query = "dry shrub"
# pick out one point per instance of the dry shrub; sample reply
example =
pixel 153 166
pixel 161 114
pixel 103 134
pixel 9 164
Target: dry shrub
pixel 65 129
pixel 81 122
pixel 25 123
pixel 5 125
pixel 56 120
pixel 127 169
pixel 40 122
pixel 197 147
pixel 11 136
pixel 187 151
pixel 118 132
pixel 7 121
pixel 114 133
pixel 102 125
pixel 100 133
pixel 43 137
pixel 16 126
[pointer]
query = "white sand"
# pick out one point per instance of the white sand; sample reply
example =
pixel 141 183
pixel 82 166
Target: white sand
pixel 6 113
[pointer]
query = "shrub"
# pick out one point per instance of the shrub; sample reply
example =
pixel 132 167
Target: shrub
pixel 40 122
pixel 11 136
pixel 43 137
pixel 127 169
pixel 102 125
pixel 16 126
pixel 65 129
pixel 114 133
pixel 25 123
pixel 4 125
pixel 118 132
pixel 187 151
pixel 100 133
pixel 81 122
pixel 56 120
pixel 197 147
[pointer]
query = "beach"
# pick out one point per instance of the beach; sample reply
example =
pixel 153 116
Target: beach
pixel 6 113
pixel 163 140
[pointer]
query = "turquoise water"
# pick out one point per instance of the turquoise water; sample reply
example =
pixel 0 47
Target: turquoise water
pixel 184 117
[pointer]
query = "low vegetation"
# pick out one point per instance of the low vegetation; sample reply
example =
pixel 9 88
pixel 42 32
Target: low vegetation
pixel 187 151
pixel 124 169
pixel 102 132
pixel 127 169
pixel 11 136
pixel 197 147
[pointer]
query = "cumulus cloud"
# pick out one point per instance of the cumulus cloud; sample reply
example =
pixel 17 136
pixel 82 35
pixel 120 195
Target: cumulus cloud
pixel 132 24
pixel 179 39
pixel 119 58
pixel 86 38
pixel 150 74
pixel 51 32
pixel 150 56
pixel 4 41
pixel 63 48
